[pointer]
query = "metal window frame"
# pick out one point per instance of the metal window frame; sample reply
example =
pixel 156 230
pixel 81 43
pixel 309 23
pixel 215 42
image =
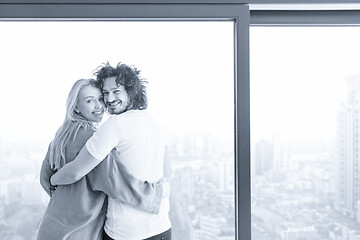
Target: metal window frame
pixel 341 17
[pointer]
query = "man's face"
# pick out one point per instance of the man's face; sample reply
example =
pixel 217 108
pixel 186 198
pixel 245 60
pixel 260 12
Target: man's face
pixel 115 96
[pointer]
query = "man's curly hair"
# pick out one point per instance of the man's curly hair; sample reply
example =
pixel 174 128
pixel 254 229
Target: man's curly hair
pixel 129 77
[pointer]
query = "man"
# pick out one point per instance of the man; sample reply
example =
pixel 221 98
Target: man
pixel 137 138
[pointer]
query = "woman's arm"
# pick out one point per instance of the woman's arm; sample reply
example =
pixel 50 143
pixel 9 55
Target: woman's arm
pixel 167 173
pixel 45 173
pixel 111 178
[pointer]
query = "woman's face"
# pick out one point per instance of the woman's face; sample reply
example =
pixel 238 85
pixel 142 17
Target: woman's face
pixel 90 104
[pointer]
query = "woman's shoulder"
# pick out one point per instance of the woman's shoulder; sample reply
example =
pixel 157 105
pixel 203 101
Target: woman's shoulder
pixel 78 140
pixel 83 134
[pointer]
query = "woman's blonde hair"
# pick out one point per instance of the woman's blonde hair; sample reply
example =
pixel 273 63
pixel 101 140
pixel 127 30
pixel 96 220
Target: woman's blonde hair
pixel 72 123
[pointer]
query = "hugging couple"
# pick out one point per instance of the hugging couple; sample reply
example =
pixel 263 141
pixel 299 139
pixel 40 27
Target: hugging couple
pixel 109 181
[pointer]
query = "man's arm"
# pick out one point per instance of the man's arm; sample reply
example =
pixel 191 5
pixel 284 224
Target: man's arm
pixel 111 178
pixel 95 150
pixel 75 170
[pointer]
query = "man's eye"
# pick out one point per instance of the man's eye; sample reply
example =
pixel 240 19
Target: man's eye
pixel 117 91
pixel 105 93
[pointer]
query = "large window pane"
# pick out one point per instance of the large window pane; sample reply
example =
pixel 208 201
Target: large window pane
pixel 304 133
pixel 189 69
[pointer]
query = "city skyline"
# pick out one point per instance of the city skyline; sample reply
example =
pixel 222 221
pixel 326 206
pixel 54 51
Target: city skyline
pixel 202 189
pixel 302 89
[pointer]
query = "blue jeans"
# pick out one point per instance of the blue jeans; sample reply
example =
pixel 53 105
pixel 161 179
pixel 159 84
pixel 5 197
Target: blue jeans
pixel 162 236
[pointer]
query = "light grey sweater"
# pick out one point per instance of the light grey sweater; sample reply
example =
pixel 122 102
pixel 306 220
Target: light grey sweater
pixel 77 211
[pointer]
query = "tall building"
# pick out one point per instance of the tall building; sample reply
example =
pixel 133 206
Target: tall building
pixel 189 142
pixel 184 181
pixel 278 153
pixel 348 187
pixel 223 173
pixel 2 212
pixel 264 157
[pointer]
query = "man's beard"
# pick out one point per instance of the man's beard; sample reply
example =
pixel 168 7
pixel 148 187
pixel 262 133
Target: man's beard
pixel 119 109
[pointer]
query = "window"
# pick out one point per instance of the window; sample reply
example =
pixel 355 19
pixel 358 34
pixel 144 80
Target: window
pixel 303 105
pixel 190 55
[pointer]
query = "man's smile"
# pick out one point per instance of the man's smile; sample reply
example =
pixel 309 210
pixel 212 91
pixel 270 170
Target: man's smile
pixel 113 104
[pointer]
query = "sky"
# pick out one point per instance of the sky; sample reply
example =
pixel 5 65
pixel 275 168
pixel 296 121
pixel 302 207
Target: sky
pixel 297 74
pixel 298 79
pixel 188 66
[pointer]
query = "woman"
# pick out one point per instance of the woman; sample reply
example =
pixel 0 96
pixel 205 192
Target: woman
pixel 77 211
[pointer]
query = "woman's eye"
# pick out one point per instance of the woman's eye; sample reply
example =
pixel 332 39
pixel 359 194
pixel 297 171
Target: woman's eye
pixel 89 101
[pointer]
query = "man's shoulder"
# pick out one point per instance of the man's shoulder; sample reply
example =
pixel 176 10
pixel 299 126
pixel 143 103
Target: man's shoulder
pixel 131 114
pixel 134 119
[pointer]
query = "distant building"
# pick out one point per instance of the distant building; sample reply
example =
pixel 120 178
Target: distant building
pixel 223 174
pixel 295 230
pixel 32 191
pixel 349 234
pixel 348 181
pixel 226 236
pixel 188 144
pixel 26 189
pixel 184 181
pixel 2 213
pixel 3 189
pixel 211 228
pixel 264 157
pixel 195 232
pixel 14 191
pixel 358 211
pixel 228 196
pixel 278 154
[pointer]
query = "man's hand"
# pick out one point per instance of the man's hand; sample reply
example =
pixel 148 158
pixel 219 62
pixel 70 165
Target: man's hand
pixel 52 187
pixel 166 187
